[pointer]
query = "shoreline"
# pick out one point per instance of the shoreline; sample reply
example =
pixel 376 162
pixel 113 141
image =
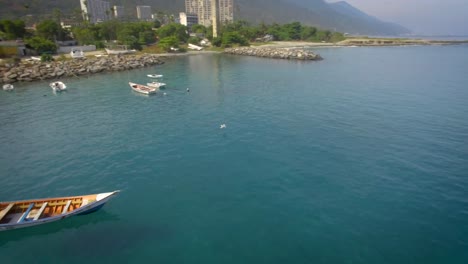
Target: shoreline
pixel 363 42
pixel 29 71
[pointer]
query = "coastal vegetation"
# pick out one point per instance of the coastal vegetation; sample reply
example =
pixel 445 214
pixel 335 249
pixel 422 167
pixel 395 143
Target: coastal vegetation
pixel 242 33
pixel 168 37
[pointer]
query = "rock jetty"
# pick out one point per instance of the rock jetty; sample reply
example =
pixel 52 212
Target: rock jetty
pixel 28 71
pixel 275 53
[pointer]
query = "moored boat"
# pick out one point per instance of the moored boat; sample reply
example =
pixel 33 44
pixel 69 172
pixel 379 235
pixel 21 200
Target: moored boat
pixel 58 86
pixel 26 213
pixel 194 47
pixel 156 84
pixel 155 75
pixel 119 51
pixel 140 88
pixel 8 87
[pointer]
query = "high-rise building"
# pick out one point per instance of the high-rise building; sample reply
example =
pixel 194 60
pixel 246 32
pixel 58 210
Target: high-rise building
pixel 144 12
pixel 226 11
pixel 95 11
pixel 188 19
pixel 203 9
pixel 118 12
pixel 215 17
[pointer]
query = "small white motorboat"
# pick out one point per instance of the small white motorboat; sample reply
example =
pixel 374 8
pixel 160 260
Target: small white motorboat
pixel 8 87
pixel 58 86
pixel 155 75
pixel 156 84
pixel 142 88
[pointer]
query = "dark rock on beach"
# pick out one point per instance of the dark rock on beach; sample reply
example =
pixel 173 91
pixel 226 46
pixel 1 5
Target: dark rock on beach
pixel 28 71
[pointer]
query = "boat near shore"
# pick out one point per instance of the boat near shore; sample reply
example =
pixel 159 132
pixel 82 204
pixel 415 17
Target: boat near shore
pixel 8 87
pixel 155 75
pixel 58 86
pixel 156 85
pixel 140 88
pixel 120 49
pixel 27 213
pixel 194 47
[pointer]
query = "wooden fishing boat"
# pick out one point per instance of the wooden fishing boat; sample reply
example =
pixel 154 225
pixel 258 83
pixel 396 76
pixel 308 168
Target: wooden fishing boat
pixel 26 213
pixel 140 88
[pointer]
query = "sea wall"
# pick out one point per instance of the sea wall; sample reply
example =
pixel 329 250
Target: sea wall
pixel 68 49
pixel 28 71
pixel 275 53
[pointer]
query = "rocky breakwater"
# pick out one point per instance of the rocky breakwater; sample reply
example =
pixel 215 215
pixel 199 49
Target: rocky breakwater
pixel 28 71
pixel 275 53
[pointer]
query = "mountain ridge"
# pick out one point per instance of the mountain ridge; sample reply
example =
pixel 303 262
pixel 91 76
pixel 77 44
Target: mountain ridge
pixel 339 16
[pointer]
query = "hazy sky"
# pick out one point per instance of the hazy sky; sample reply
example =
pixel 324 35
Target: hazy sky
pixel 433 17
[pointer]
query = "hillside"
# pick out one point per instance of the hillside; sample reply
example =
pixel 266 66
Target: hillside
pixel 339 16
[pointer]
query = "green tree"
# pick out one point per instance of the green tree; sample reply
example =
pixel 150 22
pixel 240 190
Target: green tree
pixel 194 40
pixel 41 45
pixel 108 29
pixel 337 36
pixel 127 37
pixel 146 37
pixel 168 42
pixel 233 38
pixel 200 29
pixel 86 35
pixel 308 33
pixel 12 29
pixel 173 30
pixel 324 35
pixel 48 29
pixel 156 23
pixel 293 30
pixel 217 42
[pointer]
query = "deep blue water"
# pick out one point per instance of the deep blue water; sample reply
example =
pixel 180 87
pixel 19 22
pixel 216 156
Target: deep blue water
pixel 360 158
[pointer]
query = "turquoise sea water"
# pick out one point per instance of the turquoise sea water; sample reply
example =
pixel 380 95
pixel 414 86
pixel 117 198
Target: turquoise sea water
pixel 360 158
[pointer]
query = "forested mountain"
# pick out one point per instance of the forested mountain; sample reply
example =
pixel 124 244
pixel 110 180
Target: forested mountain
pixel 339 16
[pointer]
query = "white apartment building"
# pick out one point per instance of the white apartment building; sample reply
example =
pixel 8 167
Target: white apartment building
pixel 203 9
pixel 226 11
pixel 95 11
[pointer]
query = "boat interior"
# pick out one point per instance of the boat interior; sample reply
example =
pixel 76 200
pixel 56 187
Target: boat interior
pixel 24 211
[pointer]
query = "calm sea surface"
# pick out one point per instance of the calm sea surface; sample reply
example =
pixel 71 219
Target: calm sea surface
pixel 360 158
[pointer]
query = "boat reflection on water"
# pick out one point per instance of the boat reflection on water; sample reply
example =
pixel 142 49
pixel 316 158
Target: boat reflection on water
pixel 69 224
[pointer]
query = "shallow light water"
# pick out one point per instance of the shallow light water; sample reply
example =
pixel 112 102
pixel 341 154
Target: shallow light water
pixel 360 158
